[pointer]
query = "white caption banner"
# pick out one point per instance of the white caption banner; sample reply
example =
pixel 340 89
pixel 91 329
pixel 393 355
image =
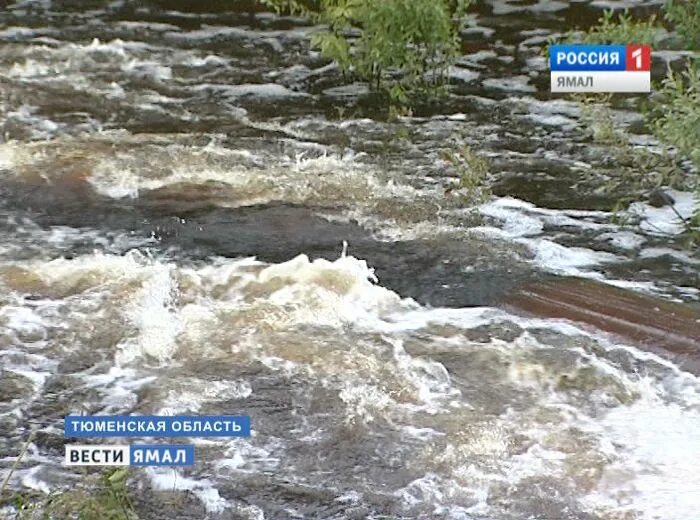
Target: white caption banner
pixel 612 81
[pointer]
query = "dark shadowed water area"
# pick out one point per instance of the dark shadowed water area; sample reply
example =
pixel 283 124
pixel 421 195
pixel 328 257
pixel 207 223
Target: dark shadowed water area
pixel 199 214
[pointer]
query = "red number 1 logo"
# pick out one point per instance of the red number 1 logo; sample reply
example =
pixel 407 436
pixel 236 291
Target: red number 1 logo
pixel 638 58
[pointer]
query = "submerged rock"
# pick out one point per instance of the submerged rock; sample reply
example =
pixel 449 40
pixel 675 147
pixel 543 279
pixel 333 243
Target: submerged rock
pixel 14 386
pixel 669 329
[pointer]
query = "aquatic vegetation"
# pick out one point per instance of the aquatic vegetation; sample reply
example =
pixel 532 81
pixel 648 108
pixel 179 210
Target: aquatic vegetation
pixel 473 170
pixel 675 113
pixel 672 114
pixel 640 173
pixel 98 497
pixel 597 116
pixel 401 46
pixel 674 117
pixel 659 169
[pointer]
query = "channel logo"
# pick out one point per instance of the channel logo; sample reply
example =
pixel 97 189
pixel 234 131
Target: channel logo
pixel 129 455
pixel 600 68
pixel 81 426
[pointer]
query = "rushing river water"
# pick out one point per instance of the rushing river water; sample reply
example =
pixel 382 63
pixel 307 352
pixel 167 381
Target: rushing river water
pixel 176 187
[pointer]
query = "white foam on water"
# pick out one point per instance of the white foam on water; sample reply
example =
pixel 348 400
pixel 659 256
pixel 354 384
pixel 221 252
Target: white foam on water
pixel 654 473
pixel 208 32
pixel 8 155
pixel 115 182
pixel 524 223
pixel 152 313
pixel 433 382
pixel 37 377
pixel 626 240
pixel 153 26
pixel 301 292
pixel 690 292
pixel 657 252
pixel 329 293
pixel 63 61
pixel 100 268
pixel 170 479
pixel 116 46
pixel 148 69
pixel 462 74
pixel 510 84
pixel 262 90
pixel 516 222
pixel 567 260
pixel 147 290
pixel 116 374
pixel 306 177
pixel 119 388
pixel 162 303
pixel 244 456
pixel 364 401
pixel 47 242
pixel 414 317
pixel 30 480
pixel 190 396
pixel 666 220
pixel 443 494
pixel 30 69
pixel 23 319
pixel 512 211
pixel 545 6
pixel 41 127
pixel 553 120
pixel 251 512
pixel 649 446
pixel 22 32
pixel 208 60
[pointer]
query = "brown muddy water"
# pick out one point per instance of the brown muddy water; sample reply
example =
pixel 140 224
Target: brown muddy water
pixel 176 186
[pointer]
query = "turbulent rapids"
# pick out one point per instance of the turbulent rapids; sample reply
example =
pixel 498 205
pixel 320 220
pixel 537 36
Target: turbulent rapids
pixel 187 226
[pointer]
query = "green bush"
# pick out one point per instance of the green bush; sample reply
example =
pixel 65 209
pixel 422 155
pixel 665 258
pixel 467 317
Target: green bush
pixel 406 46
pixel 675 114
pixel 472 170
pixel 303 7
pixel 675 119
pixel 622 28
pixel 685 17
pixel 103 496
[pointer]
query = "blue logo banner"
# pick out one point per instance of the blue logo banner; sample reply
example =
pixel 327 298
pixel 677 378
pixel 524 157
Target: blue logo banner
pixel 162 455
pixel 587 57
pixel 156 426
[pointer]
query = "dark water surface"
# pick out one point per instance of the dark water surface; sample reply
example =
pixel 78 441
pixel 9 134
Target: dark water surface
pixel 177 181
